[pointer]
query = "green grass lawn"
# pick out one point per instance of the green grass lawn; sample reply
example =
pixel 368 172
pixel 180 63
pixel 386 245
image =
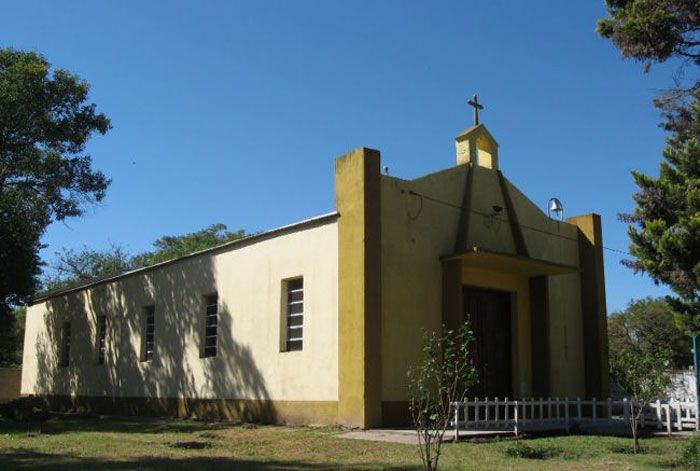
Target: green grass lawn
pixel 92 443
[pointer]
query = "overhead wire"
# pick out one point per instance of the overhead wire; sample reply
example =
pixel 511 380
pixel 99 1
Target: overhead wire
pixel 490 215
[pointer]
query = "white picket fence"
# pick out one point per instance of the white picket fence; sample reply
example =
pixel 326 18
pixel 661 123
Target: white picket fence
pixel 550 414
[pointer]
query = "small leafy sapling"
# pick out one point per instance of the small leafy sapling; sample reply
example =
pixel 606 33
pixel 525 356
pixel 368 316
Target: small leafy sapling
pixel 443 377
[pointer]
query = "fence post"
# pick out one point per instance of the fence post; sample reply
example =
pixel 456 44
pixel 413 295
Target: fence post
pixel 476 412
pixel 594 408
pixel 456 404
pixel 659 422
pixel 697 414
pixel 578 408
pixel 668 419
pixel 679 416
pixel 515 412
pixel 507 410
pixel 498 414
pixel 566 413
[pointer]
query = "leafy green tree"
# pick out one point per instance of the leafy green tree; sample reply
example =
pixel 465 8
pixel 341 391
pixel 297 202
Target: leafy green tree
pixel 170 247
pixel 76 266
pixel 442 378
pixel 45 174
pixel 644 376
pixel 645 325
pixel 654 31
pixel 12 337
pixel 73 266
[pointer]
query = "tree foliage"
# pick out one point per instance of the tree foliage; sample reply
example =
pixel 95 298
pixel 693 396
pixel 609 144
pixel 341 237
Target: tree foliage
pixel 170 247
pixel 654 31
pixel 643 345
pixel 45 174
pixel 73 266
pixel 664 228
pixel 644 326
pixel 12 337
pixel 442 378
pixel 644 376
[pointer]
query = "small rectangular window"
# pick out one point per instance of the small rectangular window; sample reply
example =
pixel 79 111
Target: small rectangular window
pixel 65 344
pixel 149 344
pixel 295 314
pixel 211 322
pixel 101 339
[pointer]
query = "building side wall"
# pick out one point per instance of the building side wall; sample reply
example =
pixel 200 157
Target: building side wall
pixel 249 364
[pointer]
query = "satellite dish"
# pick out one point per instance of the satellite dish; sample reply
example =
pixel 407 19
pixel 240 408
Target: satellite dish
pixel 554 207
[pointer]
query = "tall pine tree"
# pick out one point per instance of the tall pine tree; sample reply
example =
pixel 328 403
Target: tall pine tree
pixel 665 227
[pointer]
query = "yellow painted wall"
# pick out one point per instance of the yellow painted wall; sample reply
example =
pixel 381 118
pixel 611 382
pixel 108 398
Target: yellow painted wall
pixel 565 337
pixel 249 364
pixel 415 234
pixel 420 219
pixel 557 241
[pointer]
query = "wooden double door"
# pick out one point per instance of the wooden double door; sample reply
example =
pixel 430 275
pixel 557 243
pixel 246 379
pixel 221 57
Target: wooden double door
pixel 490 314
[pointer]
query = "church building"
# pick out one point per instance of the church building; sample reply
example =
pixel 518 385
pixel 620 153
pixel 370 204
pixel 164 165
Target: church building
pixel 317 322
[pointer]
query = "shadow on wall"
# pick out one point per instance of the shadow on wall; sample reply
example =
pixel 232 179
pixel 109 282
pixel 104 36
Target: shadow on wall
pixel 177 381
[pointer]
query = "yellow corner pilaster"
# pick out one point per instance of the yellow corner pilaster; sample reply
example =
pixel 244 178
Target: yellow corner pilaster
pixel 357 190
pixel 593 305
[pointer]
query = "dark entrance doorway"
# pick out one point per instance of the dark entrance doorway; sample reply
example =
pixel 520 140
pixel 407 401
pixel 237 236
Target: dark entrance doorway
pixel 490 315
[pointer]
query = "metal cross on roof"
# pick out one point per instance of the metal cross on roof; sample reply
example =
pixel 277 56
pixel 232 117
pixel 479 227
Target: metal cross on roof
pixel 475 103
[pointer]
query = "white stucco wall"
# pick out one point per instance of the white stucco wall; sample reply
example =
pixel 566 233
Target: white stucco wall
pixel 249 364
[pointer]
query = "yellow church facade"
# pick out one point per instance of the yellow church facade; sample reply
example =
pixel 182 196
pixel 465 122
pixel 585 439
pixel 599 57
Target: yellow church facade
pixel 318 322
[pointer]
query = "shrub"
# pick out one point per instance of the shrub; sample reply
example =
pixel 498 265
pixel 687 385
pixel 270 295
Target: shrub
pixel 690 456
pixel 26 409
pixel 626 450
pixel 523 450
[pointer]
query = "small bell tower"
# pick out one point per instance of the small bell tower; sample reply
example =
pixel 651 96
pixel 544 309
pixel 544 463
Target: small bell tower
pixel 476 145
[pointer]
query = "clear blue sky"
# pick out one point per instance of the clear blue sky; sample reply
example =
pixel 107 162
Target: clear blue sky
pixel 233 112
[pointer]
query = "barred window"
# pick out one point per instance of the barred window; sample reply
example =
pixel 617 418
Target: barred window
pixel 211 322
pixel 65 344
pixel 101 339
pixel 149 344
pixel 295 314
